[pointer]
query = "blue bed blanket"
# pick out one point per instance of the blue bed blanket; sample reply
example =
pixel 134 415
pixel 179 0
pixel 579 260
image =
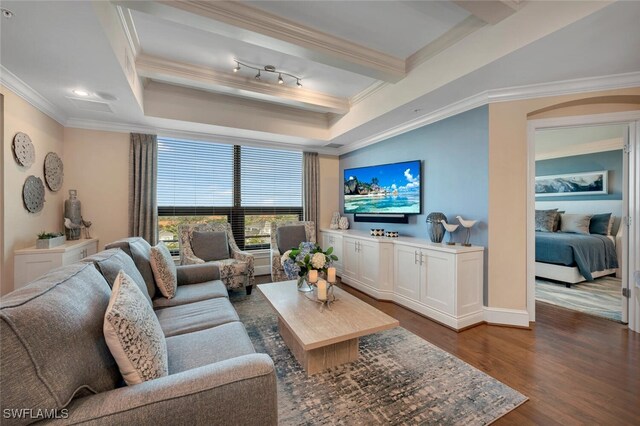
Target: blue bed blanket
pixel 589 253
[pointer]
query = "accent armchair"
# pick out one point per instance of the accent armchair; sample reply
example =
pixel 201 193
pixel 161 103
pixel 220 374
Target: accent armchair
pixel 285 236
pixel 213 242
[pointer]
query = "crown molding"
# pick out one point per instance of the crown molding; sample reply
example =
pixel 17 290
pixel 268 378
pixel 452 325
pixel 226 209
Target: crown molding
pixel 26 92
pixel 129 28
pixel 558 88
pixel 582 149
pixel 255 26
pixel 110 126
pixel 375 87
pixel 205 78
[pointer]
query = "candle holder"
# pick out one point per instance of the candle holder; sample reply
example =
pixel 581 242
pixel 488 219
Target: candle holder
pixel 331 297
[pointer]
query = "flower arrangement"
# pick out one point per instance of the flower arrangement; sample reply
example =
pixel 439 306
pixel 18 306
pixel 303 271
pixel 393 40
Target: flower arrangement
pixel 298 262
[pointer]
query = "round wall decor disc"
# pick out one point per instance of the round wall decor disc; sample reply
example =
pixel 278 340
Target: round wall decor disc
pixel 33 194
pixel 23 149
pixel 53 171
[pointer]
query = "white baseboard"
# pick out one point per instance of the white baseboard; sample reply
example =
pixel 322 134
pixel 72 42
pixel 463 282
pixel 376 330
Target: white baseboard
pixel 502 316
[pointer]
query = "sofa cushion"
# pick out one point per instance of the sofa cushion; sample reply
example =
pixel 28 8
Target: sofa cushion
pixel 210 246
pixel 190 293
pixel 140 251
pixel 39 324
pixel 111 262
pixel 193 350
pixel 133 334
pixel 196 316
pixel 290 236
pixel 164 270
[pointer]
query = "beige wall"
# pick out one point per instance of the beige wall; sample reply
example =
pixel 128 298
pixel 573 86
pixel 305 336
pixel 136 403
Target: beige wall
pixel 20 226
pixel 329 186
pixel 97 165
pixel 508 181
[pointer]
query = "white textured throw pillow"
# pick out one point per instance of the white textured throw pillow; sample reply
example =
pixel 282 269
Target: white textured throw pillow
pixel 164 270
pixel 133 333
pixel 576 223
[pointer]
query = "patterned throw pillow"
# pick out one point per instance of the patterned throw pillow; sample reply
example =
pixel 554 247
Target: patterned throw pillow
pixel 133 334
pixel 545 220
pixel 164 270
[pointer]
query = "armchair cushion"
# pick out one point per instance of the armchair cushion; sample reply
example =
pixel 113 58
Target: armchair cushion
pixel 290 236
pixel 133 334
pixel 210 246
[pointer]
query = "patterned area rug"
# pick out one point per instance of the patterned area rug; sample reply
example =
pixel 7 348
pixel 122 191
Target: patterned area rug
pixel 600 297
pixel 398 379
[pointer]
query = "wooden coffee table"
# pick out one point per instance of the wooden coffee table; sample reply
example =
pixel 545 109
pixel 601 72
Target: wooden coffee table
pixel 320 339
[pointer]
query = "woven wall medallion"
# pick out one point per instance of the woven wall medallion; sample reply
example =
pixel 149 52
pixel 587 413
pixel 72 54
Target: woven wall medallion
pixel 33 194
pixel 53 171
pixel 23 149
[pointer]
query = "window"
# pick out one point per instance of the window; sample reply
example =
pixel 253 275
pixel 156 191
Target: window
pixel 249 187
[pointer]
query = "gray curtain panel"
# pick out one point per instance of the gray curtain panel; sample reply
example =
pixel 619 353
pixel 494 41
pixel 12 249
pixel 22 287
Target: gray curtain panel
pixel 310 185
pixel 143 171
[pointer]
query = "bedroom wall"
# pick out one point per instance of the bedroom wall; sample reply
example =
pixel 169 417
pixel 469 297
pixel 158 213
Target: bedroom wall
pixel 20 226
pixel 609 160
pixel 455 181
pixel 508 163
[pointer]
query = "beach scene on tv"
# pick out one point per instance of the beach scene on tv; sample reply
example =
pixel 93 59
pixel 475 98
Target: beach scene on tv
pixel 388 188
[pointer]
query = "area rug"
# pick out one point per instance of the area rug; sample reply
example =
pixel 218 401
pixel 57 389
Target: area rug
pixel 601 297
pixel 398 379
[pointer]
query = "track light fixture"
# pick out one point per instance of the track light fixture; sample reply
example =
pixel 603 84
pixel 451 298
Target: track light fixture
pixel 269 69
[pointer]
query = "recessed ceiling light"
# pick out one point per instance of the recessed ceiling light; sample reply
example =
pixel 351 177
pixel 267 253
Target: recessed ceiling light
pixel 80 92
pixel 7 13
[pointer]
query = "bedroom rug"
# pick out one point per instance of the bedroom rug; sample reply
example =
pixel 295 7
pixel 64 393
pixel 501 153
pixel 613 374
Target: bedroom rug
pixel 600 297
pixel 398 379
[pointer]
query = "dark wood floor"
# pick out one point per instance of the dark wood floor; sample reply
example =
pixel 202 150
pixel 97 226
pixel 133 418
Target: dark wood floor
pixel 575 368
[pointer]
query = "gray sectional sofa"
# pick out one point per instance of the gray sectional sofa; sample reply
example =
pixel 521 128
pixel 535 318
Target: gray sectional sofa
pixel 55 365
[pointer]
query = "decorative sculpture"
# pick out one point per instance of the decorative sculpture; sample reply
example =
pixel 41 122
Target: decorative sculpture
pixel 87 225
pixel 467 224
pixel 335 220
pixel 343 223
pixel 436 230
pixel 451 228
pixel 72 216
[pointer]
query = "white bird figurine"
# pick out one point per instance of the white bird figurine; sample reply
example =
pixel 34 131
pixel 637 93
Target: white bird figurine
pixel 70 225
pixel 451 228
pixel 468 224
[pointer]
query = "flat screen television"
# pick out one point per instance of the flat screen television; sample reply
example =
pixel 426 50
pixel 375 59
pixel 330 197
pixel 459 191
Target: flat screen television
pixel 386 189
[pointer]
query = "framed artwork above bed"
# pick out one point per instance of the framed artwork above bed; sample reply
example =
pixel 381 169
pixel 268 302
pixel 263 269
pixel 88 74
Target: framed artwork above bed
pixel 586 183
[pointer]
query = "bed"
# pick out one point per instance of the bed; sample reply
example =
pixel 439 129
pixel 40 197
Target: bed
pixel 597 255
pixel 573 258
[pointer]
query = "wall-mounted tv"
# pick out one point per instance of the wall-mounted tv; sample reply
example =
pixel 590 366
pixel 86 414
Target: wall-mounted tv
pixel 386 188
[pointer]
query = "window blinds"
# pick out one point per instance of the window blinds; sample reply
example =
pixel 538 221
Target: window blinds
pixel 194 174
pixel 270 178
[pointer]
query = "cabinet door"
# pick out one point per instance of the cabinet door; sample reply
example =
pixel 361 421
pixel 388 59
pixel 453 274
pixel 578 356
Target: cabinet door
pixel 369 263
pixel 336 243
pixel 439 284
pixel 350 258
pixel 407 271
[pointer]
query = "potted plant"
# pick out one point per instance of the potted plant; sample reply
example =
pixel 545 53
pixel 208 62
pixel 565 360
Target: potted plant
pixel 49 240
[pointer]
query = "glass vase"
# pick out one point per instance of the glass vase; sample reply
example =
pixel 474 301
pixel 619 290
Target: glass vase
pixel 303 284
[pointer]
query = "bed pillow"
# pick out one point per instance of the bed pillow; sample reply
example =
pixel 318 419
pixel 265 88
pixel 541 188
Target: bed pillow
pixel 545 219
pixel 556 224
pixel 600 224
pixel 575 223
